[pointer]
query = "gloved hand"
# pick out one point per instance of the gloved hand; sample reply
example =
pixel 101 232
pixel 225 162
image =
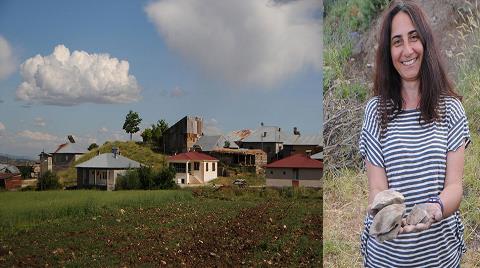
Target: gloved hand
pixel 433 214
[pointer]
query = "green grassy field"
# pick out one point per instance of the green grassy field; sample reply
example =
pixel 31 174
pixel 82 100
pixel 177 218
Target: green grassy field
pixel 195 227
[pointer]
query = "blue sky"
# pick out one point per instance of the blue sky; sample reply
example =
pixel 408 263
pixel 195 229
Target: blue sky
pixel 234 63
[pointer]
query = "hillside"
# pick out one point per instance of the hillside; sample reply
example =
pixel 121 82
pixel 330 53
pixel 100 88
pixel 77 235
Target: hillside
pixel 128 149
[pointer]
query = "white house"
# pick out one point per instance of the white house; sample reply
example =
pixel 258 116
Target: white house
pixel 194 167
pixel 295 170
pixel 102 170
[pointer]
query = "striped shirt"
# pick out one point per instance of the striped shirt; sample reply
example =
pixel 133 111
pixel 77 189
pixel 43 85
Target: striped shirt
pixel 414 156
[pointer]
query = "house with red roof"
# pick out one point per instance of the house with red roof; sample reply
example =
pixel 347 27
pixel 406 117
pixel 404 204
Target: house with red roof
pixel 194 167
pixel 295 170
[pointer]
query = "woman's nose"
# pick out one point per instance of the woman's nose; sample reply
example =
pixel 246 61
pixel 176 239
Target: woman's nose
pixel 407 49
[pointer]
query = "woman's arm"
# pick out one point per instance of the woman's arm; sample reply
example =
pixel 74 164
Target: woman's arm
pixel 451 195
pixel 377 181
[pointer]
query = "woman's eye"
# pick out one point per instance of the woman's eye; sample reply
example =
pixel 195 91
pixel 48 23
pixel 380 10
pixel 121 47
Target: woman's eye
pixel 396 42
pixel 414 37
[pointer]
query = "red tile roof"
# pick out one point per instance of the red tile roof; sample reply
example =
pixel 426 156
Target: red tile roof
pixel 191 156
pixel 296 161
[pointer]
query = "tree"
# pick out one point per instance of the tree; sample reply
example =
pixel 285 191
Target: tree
pixel 132 121
pixel 158 130
pixel 147 135
pixel 226 144
pixel 92 146
pixel 47 181
pixel 154 134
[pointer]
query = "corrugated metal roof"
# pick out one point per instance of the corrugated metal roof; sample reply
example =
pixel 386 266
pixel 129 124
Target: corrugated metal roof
pixel 107 160
pixel 210 143
pixel 267 134
pixel 6 168
pixel 69 148
pixel 304 140
pixel 317 156
pixel 296 161
pixel 191 156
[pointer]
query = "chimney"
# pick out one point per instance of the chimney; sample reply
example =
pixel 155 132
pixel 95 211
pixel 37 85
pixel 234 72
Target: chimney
pixel 71 139
pixel 115 152
pixel 308 153
pixel 296 131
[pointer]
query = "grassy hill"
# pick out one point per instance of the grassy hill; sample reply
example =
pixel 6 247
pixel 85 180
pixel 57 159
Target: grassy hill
pixel 128 149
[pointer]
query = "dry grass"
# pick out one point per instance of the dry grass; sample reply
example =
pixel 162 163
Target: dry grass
pixel 345 202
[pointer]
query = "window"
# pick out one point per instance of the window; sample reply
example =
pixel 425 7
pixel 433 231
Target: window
pixel 179 167
pixel 196 165
pixel 206 164
pixel 213 166
pixel 284 173
pixel 271 171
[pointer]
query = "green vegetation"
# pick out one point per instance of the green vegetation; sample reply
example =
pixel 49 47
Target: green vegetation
pixel 250 178
pixel 153 136
pixel 92 146
pixel 344 22
pixel 132 121
pixel 48 181
pixel 129 149
pixel 24 210
pixel 148 179
pixel 196 227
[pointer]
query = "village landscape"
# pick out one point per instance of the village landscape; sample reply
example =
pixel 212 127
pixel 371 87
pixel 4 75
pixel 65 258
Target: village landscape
pixel 161 133
pixel 249 197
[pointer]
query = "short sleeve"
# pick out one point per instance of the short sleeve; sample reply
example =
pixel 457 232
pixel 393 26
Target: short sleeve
pixel 369 144
pixel 458 132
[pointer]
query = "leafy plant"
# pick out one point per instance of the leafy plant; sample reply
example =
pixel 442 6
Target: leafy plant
pixel 132 121
pixel 48 181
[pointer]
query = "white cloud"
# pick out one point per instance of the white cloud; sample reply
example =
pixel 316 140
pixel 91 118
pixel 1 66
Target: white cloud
pixel 37 135
pixel 8 62
pixel 254 41
pixel 40 122
pixel 66 79
pixel 211 127
pixel 103 130
pixel 2 128
pixel 177 92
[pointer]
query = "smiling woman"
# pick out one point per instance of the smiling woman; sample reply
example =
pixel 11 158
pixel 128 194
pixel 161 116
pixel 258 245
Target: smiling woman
pixel 413 139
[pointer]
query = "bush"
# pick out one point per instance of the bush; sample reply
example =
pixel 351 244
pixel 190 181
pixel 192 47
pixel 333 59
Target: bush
pixel 165 179
pixel 48 181
pixel 129 181
pixel 146 175
pixel 146 178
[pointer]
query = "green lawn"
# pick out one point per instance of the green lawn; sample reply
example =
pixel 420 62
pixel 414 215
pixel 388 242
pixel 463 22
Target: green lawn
pixel 196 227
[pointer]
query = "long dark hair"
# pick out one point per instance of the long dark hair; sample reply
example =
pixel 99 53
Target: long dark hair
pixel 434 82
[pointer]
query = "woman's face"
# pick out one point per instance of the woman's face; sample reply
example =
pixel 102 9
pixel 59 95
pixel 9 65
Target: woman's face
pixel 406 48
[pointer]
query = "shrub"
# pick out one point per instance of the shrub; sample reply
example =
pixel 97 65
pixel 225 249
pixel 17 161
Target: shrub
pixel 48 181
pixel 165 179
pixel 146 175
pixel 129 181
pixel 146 178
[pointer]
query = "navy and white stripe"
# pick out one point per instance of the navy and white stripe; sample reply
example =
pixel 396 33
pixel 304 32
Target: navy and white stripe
pixel 414 156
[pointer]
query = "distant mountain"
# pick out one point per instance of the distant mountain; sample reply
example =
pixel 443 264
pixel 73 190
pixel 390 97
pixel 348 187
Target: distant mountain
pixel 16 160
